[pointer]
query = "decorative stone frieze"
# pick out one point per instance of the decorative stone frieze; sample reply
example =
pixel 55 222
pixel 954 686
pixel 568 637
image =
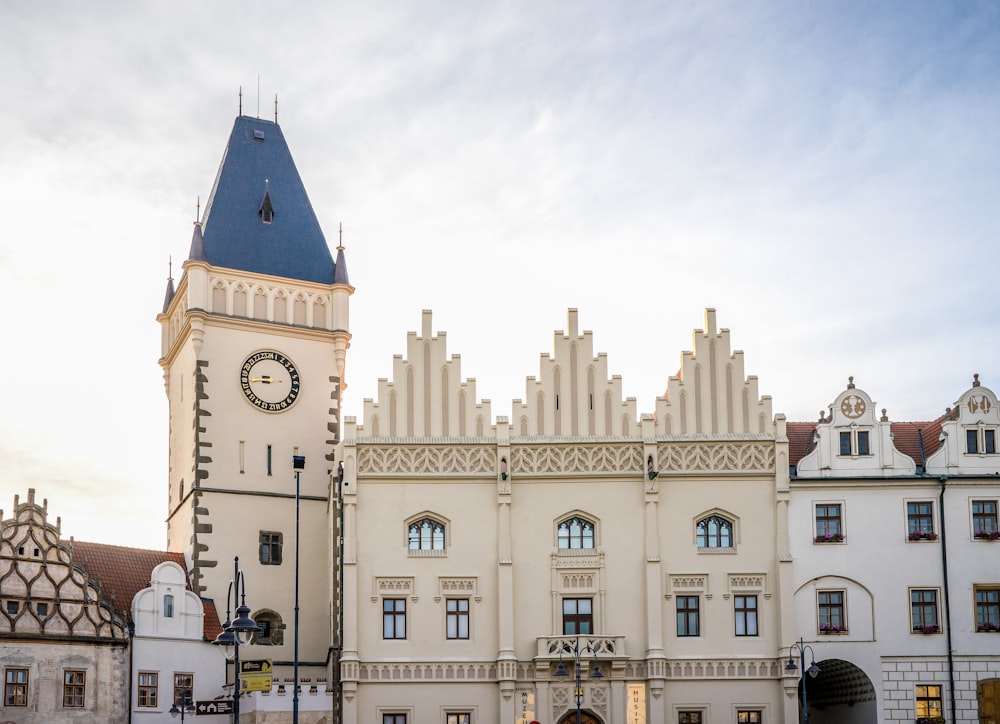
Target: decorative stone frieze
pixel 565 459
pixel 752 457
pixel 440 460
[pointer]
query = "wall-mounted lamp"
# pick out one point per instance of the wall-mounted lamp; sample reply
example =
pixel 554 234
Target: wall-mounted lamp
pixel 650 473
pixel 503 468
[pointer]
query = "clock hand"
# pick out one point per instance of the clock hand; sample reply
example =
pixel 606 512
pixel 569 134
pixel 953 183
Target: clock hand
pixel 266 379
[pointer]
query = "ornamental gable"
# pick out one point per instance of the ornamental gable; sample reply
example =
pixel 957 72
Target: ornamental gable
pixel 969 443
pixel 850 440
pixel 426 396
pixel 710 394
pixel 572 395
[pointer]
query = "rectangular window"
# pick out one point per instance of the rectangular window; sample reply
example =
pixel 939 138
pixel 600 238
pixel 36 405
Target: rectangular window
pixel 148 684
pixel 928 700
pixel 458 618
pixel 394 618
pixel 688 616
pixel 987 609
pixel 578 616
pixel 12 608
pixel 751 716
pixel 984 518
pixel 270 548
pixel 920 520
pixel 746 615
pixel 183 689
pixel 462 717
pixel 689 717
pixel 74 688
pixel 394 719
pixel 863 448
pixel 972 441
pixel 42 609
pixel 268 459
pixel 830 611
pixel 15 692
pixel 168 606
pixel 989 442
pixel 845 443
pixel 924 611
pixel 829 525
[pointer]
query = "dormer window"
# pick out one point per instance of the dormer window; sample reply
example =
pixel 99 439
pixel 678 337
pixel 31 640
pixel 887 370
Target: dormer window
pixel 854 443
pixel 266 210
pixel 981 440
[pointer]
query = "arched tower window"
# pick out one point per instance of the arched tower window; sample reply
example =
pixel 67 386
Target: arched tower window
pixel 575 532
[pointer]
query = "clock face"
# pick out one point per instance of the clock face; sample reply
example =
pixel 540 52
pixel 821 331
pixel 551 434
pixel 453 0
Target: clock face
pixel 269 381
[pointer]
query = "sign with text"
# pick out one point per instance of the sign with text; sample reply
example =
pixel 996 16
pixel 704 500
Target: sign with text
pixel 636 704
pixel 259 666
pixel 255 682
pixel 216 706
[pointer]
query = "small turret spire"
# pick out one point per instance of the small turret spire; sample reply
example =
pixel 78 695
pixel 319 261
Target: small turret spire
pixel 340 266
pixel 169 295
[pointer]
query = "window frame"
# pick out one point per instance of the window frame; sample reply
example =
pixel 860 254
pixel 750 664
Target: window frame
pixel 980 440
pixel 183 684
pixel 168 605
pixel 433 541
pixel 270 542
pixel 925 614
pixel 824 524
pixel 928 700
pixel 916 516
pixel 458 717
pixel 587 536
pixel 749 716
pixel 688 614
pixel 15 685
pixel 148 692
pixel 831 604
pixel 455 618
pixel 394 619
pixel 704 540
pixel 74 690
pixel 393 717
pixel 746 614
pixel 986 599
pixel 858 443
pixel 985 523
pixel 577 618
pixel 690 716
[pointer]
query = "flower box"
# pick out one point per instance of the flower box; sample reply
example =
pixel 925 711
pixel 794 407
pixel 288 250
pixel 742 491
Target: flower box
pixel 832 628
pixel 987 535
pixel 927 629
pixel 988 627
pixel 923 536
pixel 829 538
pixel 930 720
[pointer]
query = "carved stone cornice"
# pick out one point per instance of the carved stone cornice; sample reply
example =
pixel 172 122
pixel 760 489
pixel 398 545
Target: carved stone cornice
pixel 576 458
pixel 751 457
pixel 427 459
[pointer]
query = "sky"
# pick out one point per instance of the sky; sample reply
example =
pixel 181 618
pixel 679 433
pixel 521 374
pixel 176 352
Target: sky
pixel 824 174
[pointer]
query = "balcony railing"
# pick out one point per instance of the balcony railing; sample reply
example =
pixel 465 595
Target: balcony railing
pixel 603 647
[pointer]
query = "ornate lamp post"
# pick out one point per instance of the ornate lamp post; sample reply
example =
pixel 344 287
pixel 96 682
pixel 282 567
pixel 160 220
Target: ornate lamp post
pixel 298 464
pixel 577 653
pixel 186 707
pixel 238 632
pixel 813 671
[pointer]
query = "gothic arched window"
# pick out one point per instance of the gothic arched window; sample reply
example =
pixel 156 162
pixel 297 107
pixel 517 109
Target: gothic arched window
pixel 426 534
pixel 575 532
pixel 715 532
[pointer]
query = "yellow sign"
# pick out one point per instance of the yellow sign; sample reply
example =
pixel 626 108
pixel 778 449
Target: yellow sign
pixel 636 704
pixel 255 682
pixel 260 666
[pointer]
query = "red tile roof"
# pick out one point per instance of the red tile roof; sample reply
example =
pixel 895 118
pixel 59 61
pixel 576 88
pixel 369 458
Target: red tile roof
pixel 800 440
pixel 122 572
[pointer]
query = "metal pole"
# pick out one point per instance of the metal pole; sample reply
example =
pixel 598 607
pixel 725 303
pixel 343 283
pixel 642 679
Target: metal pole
pixel 579 684
pixel 295 665
pixel 805 698
pixel 236 644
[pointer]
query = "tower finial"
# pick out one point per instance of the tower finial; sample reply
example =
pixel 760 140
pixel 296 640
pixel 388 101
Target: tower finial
pixel 241 100
pixel 275 109
pixel 197 210
pixel 170 268
pixel 340 243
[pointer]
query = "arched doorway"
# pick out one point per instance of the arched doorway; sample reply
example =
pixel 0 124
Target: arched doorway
pixel 585 718
pixel 840 694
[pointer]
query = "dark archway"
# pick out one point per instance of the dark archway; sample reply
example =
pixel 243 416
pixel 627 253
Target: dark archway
pixel 841 694
pixel 586 717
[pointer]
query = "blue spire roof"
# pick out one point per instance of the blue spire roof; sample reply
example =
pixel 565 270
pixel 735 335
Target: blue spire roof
pixel 259 218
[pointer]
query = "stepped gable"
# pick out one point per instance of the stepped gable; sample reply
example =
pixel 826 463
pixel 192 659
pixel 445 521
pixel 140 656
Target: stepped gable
pixel 573 394
pixel 258 217
pixel 426 396
pixel 710 394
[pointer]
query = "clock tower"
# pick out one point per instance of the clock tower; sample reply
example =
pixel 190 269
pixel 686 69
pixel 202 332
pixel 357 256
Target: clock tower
pixel 254 345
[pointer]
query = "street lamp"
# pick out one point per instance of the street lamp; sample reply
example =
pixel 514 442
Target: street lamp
pixel 298 464
pixel 185 707
pixel 577 652
pixel 813 672
pixel 238 632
